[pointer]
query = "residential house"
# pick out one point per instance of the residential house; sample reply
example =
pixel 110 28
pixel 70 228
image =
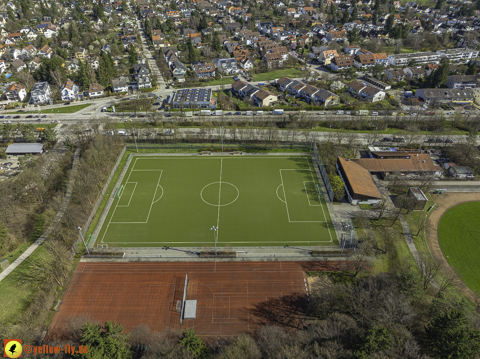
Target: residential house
pixel 46 51
pixel 81 53
pixel 142 75
pixel 2 66
pixel 128 40
pixel 439 96
pixel 15 92
pixel 364 61
pixel 40 94
pixel 95 90
pixel 226 66
pixel 246 64
pixel 308 93
pixel 18 65
pixel 351 49
pixel 238 86
pixel 338 36
pixel 34 64
pixel 327 56
pixel 120 84
pixel 396 75
pixel 204 70
pixel 415 58
pixel 283 83
pixel 326 97
pixel 414 73
pixel 365 91
pixel 69 91
pixel 13 54
pixel 381 59
pixel 50 32
pixel 264 98
pixel 340 63
pixel 462 81
pixel 28 52
pixel 273 60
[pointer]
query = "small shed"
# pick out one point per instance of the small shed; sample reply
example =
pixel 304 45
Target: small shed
pixel 21 149
pixel 418 197
pixel 462 172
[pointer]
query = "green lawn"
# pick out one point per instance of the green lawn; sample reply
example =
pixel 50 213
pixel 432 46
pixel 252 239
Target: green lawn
pixel 254 201
pixel 62 109
pixel 222 81
pixel 459 238
pixel 272 75
pixel 15 292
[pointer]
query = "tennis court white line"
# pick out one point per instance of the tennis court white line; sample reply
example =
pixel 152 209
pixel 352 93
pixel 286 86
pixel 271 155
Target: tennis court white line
pixel 308 197
pixel 219 196
pixel 320 199
pixel 131 196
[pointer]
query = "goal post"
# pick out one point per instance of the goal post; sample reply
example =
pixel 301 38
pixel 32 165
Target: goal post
pixel 117 195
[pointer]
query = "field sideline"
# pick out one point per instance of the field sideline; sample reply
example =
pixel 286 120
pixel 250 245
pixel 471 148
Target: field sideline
pixel 252 200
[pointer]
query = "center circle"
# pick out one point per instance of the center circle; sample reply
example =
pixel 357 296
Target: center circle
pixel 219 194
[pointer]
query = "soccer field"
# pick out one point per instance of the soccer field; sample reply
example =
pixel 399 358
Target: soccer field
pixel 253 200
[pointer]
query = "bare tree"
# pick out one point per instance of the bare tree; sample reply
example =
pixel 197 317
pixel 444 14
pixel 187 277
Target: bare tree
pixel 429 268
pixel 27 79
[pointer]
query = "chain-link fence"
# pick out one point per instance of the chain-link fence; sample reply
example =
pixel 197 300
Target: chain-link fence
pixel 323 172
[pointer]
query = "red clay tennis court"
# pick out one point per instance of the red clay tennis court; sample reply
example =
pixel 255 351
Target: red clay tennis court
pixel 232 297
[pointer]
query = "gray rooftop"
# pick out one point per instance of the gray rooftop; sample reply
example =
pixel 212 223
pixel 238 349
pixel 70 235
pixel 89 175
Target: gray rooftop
pixel 21 148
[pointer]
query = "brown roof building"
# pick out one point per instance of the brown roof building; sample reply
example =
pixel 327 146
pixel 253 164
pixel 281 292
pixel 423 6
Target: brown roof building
pixel 358 182
pixel 417 165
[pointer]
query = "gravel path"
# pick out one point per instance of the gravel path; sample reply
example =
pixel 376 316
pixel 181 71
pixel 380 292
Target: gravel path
pixel 444 203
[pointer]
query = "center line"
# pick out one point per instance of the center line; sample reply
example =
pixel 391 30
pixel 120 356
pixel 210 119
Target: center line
pixel 219 195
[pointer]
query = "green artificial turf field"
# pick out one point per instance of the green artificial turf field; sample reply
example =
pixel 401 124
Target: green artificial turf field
pixel 459 238
pixel 253 200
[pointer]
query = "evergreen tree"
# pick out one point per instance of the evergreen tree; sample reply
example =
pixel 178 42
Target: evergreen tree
pixel 472 68
pixel 192 55
pixel 354 13
pixel 375 17
pixel 390 22
pixel 217 46
pixel 194 344
pixel 441 75
pixel 345 17
pixel 132 55
pixel 106 341
pixel 377 339
pixel 82 76
pixel 106 70
pixel 439 4
pixel 173 5
pixel 353 36
pixel 449 336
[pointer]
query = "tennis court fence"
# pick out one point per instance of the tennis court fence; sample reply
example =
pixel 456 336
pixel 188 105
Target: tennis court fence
pixel 323 172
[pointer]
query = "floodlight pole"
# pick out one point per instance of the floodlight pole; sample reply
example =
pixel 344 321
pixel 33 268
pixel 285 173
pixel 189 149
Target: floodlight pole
pixel 81 235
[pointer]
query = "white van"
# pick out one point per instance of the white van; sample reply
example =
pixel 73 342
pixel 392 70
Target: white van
pixel 122 133
pixel 374 113
pixel 259 113
pixel 249 113
pixel 340 112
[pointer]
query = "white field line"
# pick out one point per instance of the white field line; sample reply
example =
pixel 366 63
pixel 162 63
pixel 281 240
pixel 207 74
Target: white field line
pixel 154 194
pixel 308 197
pixel 278 195
pixel 320 199
pixel 293 241
pixel 131 196
pixel 116 205
pixel 284 195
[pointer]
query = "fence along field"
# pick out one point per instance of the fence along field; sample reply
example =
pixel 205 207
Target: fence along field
pixel 253 200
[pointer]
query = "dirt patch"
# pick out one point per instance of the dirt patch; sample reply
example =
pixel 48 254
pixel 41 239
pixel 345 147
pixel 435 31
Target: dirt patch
pixel 444 203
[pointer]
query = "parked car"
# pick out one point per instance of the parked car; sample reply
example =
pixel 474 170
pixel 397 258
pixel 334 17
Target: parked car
pixel 8 116
pixel 439 140
pixel 228 113
pixel 44 116
pixel 38 119
pixel 238 113
pixel 67 103
pixel 2 116
pixel 387 139
pixel 448 140
pixel 16 116
pixel 29 116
